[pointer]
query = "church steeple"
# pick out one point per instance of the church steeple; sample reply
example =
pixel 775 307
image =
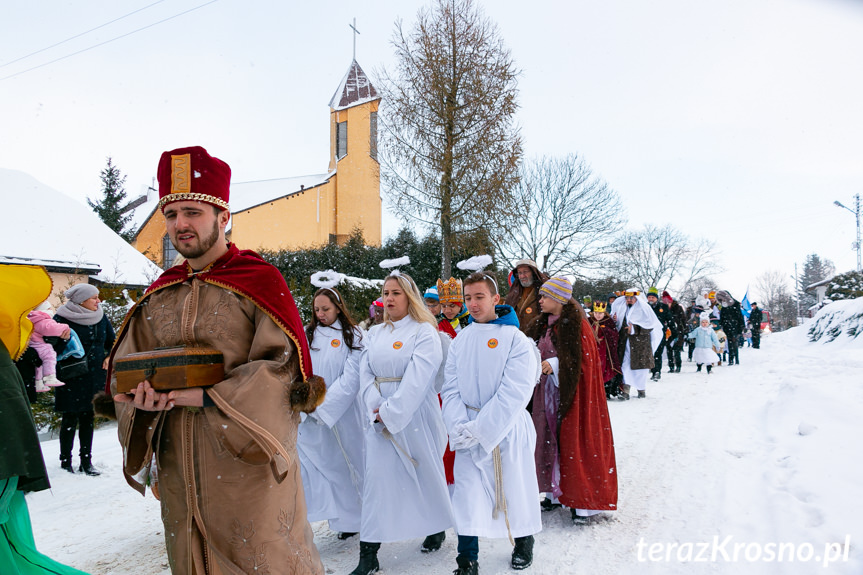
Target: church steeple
pixel 355 88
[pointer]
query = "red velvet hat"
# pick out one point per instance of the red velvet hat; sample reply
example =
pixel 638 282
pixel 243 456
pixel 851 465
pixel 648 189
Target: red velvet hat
pixel 193 174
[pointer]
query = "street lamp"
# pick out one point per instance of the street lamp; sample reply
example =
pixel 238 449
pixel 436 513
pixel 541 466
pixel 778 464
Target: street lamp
pixel 856 213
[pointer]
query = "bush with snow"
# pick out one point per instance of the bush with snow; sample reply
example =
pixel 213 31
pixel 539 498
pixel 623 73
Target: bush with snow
pixel 846 286
pixel 840 320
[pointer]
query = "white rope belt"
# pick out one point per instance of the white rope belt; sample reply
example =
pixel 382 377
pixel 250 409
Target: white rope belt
pixel 499 495
pixel 386 432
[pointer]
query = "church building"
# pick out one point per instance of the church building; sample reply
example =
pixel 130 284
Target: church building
pixel 305 211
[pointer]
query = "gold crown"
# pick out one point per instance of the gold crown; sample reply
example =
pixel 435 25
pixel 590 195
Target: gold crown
pixel 631 293
pixel 600 306
pixel 450 291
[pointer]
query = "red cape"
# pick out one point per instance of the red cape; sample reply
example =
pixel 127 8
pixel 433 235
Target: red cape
pixel 246 274
pixel 588 470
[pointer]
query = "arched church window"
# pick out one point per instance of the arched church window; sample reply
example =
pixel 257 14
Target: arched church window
pixel 169 252
pixel 341 140
pixel 373 135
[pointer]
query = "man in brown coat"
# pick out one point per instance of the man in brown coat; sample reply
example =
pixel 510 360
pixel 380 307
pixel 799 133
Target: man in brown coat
pixel 228 472
pixel 523 296
pixel 640 335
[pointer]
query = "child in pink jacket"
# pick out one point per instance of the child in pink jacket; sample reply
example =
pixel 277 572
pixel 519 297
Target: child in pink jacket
pixel 43 325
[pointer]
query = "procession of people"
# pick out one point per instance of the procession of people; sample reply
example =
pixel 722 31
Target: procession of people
pixel 454 407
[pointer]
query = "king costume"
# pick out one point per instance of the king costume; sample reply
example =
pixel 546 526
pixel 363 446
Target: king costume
pixel 330 440
pixel 228 472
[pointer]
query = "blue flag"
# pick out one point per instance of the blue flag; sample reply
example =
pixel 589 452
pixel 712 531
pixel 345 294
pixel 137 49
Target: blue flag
pixel 745 306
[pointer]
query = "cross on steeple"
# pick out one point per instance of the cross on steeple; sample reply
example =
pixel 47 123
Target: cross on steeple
pixel 354 28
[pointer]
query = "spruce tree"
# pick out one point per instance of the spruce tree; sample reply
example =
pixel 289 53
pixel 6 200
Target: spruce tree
pixel 109 208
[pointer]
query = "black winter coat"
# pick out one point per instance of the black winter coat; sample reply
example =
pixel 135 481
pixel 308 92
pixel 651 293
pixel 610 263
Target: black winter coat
pixel 731 320
pixel 755 318
pixel 77 394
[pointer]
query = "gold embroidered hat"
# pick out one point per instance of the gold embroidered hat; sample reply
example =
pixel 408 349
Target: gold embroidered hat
pixel 450 291
pixel 193 174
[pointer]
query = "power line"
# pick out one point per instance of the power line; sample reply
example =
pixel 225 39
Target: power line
pixel 79 35
pixel 108 41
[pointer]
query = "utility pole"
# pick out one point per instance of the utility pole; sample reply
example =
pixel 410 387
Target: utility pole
pixel 856 212
pixel 797 292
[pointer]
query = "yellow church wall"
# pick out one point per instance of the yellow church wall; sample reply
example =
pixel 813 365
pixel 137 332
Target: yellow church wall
pixel 296 221
pixel 358 202
pixel 149 239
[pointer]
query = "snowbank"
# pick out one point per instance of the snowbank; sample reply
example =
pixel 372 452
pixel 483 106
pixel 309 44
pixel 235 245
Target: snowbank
pixel 840 322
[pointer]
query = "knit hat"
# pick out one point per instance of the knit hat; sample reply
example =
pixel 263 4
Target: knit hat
pixel 558 289
pixel 431 293
pixel 703 316
pixel 81 293
pixel 652 291
pixel 193 174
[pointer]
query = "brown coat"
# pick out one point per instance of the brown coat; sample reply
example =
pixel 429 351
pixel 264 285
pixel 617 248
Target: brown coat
pixel 229 476
pixel 640 350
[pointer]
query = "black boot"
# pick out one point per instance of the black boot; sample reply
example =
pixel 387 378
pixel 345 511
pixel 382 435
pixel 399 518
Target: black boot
pixel 699 368
pixel 709 367
pixel 433 542
pixel 66 463
pixel 87 467
pixel 548 505
pixel 522 555
pixel 368 559
pixel 466 566
pixel 345 535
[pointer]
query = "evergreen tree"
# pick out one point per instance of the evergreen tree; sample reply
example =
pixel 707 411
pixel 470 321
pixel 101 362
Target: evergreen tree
pixel 110 207
pixel 846 286
pixel 815 270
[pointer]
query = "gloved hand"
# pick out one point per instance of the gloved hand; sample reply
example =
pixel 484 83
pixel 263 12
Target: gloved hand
pixel 463 438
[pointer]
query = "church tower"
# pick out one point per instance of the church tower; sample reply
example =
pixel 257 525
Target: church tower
pixel 354 158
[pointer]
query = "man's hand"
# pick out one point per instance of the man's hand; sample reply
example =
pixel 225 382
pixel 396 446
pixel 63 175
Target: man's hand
pixel 191 397
pixel 145 398
pixel 67 333
pixel 546 368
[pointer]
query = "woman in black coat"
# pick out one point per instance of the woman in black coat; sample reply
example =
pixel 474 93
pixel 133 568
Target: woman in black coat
pixel 83 313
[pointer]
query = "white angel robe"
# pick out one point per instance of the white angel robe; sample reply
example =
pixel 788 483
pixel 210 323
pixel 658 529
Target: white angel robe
pixel 330 440
pixel 640 314
pixel 405 495
pixel 493 368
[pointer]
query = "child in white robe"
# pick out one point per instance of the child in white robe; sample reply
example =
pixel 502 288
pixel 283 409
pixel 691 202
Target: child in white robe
pixel 491 371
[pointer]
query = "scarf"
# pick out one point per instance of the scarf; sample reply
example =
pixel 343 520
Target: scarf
pixel 79 314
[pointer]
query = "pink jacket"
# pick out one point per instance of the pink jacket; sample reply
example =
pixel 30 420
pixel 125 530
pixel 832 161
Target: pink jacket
pixel 43 325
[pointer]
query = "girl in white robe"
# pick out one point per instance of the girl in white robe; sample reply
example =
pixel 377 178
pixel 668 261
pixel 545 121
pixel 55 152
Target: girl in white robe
pixel 491 372
pixel 404 493
pixel 330 441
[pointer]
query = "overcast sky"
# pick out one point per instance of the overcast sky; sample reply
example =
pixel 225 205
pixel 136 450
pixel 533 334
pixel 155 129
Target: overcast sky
pixel 740 121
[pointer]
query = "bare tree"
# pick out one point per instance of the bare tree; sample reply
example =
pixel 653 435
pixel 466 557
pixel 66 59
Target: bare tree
pixel 450 148
pixel 658 256
pixel 561 216
pixel 772 287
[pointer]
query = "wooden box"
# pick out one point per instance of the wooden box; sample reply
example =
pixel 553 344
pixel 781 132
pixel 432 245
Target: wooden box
pixel 169 368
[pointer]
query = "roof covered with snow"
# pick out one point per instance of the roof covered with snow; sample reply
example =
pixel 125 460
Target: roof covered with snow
pixel 355 88
pixel 245 195
pixel 49 228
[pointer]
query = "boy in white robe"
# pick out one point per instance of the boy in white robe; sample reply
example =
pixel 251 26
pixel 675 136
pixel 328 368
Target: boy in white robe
pixel 491 371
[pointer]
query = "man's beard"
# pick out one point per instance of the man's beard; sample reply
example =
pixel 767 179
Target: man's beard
pixel 204 244
pixel 525 283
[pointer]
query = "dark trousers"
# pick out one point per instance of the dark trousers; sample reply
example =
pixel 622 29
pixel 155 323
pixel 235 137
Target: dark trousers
pixel 468 547
pixel 733 347
pixel 657 356
pixel 83 421
pixel 756 339
pixel 673 356
pixel 691 348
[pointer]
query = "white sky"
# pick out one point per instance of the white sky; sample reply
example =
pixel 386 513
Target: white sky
pixel 740 121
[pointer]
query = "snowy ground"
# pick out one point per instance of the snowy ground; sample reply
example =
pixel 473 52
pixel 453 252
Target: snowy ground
pixel 758 456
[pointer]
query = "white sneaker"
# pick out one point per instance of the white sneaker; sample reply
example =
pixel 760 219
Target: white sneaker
pixel 41 387
pixel 52 381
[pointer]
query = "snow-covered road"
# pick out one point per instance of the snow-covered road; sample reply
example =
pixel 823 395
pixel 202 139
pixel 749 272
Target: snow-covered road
pixel 718 473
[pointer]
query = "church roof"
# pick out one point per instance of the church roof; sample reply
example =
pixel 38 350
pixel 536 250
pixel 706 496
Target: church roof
pixel 246 195
pixel 355 88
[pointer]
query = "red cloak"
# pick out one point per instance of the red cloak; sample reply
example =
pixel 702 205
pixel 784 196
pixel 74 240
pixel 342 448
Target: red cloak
pixel 588 469
pixel 246 274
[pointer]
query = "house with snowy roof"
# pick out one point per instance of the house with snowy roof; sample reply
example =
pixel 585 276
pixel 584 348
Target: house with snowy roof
pixel 305 211
pixel 50 229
